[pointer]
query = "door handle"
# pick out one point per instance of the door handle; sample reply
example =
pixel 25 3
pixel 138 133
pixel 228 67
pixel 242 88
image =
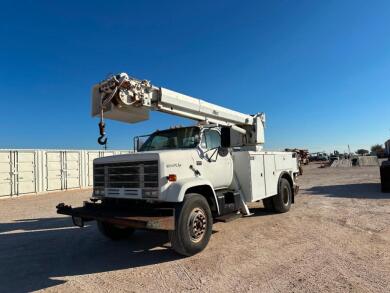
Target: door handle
pixel 197 173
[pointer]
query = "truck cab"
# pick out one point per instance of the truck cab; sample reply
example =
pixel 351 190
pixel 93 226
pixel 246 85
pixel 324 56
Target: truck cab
pixel 168 164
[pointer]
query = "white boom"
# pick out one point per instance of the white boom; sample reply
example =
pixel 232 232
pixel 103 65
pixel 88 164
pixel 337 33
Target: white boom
pixel 129 100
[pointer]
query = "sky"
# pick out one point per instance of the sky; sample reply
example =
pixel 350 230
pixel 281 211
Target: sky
pixel 320 70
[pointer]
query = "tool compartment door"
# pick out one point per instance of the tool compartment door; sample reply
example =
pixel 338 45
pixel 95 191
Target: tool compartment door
pixel 256 163
pixel 283 161
pixel 271 178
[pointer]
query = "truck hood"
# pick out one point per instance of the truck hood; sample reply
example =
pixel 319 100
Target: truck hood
pixel 141 156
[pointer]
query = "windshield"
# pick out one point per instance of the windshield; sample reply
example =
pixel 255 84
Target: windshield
pixel 178 138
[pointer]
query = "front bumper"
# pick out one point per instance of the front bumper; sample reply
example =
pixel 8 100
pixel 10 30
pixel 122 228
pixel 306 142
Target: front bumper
pixel 153 219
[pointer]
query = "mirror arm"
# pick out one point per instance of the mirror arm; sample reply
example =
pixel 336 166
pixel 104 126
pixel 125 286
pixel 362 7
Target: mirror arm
pixel 212 155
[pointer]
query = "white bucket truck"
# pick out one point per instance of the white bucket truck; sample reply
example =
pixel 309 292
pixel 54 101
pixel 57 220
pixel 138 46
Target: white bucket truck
pixel 181 179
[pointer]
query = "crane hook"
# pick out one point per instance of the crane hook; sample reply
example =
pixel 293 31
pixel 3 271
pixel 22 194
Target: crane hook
pixel 102 140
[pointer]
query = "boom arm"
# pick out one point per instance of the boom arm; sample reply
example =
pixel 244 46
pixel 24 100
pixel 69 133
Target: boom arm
pixel 129 100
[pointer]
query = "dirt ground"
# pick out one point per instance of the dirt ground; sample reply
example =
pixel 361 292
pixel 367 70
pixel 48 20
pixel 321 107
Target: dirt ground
pixel 336 238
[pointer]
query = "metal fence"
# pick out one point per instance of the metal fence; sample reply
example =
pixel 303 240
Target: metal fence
pixel 37 171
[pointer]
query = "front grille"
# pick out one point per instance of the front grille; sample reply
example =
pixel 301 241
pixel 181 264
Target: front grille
pixel 142 174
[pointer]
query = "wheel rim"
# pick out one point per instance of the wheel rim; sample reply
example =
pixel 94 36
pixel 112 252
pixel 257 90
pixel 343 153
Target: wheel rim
pixel 286 196
pixel 197 223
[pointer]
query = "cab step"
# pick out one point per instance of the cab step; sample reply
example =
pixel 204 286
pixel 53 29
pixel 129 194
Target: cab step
pixel 228 217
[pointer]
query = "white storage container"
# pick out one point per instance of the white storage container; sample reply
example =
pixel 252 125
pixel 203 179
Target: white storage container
pixel 36 171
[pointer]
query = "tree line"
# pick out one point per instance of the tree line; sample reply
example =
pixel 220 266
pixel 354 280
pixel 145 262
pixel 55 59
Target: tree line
pixel 376 149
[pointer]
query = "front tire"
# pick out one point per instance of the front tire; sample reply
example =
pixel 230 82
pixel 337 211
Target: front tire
pixel 114 232
pixel 194 224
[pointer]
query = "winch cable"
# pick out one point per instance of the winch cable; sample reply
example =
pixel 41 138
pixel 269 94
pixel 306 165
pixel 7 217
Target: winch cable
pixel 102 140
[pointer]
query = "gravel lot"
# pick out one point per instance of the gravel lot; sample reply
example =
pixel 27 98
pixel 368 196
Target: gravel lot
pixel 335 238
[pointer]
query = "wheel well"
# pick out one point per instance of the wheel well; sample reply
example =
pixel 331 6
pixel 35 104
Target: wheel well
pixel 207 192
pixel 287 176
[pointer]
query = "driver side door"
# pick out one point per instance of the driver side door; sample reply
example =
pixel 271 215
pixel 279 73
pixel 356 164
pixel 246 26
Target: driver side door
pixel 216 166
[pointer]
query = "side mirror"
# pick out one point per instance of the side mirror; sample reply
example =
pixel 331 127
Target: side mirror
pixel 223 152
pixel 225 137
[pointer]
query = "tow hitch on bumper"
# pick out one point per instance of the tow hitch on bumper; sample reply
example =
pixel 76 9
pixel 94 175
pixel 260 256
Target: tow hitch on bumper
pixel 155 219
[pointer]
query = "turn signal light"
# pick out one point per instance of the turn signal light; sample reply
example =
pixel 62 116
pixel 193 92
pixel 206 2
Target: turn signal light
pixel 172 177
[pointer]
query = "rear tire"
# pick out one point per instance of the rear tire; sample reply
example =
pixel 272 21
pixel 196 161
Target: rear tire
pixel 114 232
pixel 282 201
pixel 194 224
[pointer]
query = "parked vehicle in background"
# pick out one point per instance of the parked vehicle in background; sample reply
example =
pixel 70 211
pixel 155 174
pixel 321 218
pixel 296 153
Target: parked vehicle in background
pixel 302 156
pixel 320 156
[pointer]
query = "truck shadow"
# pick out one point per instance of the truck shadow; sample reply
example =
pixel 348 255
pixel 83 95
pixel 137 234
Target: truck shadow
pixel 357 190
pixel 35 224
pixel 261 212
pixel 40 253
